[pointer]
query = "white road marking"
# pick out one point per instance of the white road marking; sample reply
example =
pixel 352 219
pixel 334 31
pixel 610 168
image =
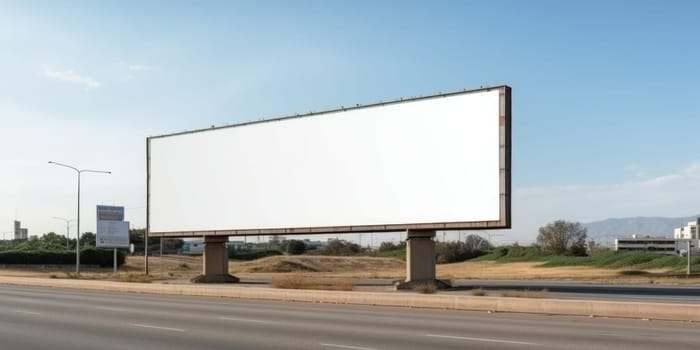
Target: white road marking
pixel 345 347
pixel 25 312
pixel 157 327
pixel 481 339
pixel 112 309
pixel 242 320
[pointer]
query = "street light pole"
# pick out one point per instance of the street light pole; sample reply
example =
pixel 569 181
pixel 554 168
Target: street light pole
pixel 67 228
pixel 77 236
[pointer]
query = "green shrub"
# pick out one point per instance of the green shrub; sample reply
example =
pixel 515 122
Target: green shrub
pixel 449 252
pixel 101 257
pixel 338 247
pixel 90 256
pixel 295 247
pixel 515 253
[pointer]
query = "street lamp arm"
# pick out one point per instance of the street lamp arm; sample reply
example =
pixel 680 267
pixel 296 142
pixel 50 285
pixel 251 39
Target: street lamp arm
pixel 79 170
pixel 64 165
pixel 95 171
pixel 64 219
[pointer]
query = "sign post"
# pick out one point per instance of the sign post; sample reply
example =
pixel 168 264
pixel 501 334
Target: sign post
pixel 112 230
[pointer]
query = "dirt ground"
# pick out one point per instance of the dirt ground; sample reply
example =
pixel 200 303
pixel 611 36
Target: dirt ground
pixel 183 268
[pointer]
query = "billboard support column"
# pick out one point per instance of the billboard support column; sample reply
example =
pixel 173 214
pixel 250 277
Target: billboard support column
pixel 215 269
pixel 420 260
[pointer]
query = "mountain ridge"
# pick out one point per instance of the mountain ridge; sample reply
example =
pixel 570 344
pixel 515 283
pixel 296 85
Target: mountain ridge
pixel 656 226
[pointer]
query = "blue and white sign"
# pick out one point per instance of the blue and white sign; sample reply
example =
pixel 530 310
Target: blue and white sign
pixel 112 230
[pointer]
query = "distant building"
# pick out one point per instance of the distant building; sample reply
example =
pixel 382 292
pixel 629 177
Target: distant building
pixel 20 233
pixel 661 245
pixel 647 244
pixel 689 231
pixel 676 245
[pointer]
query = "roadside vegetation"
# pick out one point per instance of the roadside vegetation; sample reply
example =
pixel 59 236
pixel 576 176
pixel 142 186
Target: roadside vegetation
pixel 563 244
pixel 601 259
pixel 561 252
pixel 54 249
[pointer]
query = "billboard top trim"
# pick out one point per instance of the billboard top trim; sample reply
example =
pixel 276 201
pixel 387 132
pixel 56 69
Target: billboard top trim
pixel 341 109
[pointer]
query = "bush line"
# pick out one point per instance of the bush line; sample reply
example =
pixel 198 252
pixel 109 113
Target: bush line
pixel 90 256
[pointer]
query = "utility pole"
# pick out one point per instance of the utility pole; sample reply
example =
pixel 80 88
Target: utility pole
pixel 67 228
pixel 687 272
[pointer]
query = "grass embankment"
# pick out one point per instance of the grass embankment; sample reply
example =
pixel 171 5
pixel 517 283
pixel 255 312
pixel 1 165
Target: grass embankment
pixel 632 262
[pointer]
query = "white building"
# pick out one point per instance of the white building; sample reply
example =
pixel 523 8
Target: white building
pixel 20 233
pixel 649 244
pixel 689 231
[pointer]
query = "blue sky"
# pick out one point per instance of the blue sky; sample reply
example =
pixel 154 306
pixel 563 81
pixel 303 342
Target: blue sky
pixel 606 103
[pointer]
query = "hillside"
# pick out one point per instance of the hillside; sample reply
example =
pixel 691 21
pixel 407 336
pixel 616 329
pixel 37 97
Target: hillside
pixel 625 227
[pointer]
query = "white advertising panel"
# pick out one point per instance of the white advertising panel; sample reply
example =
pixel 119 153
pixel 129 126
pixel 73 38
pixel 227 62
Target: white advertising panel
pixel 112 231
pixel 438 162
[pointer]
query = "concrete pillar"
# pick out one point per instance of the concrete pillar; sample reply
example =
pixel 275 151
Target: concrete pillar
pixel 420 256
pixel 215 267
pixel 420 260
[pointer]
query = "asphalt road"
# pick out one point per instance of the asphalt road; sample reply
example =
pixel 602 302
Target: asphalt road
pixel 555 289
pixel 43 318
pixel 578 290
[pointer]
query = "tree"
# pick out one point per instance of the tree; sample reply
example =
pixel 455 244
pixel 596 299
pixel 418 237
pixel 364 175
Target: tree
pixel 477 243
pixel 561 237
pixel 341 247
pixel 295 247
pixel 52 241
pixel 49 241
pixel 87 239
pixel 136 236
pixel 391 246
pixel 449 252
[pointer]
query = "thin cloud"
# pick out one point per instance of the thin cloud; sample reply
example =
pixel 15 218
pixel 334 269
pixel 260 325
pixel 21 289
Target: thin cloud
pixel 670 194
pixel 71 76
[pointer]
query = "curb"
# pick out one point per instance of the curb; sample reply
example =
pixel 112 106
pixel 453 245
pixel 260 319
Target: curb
pixel 614 309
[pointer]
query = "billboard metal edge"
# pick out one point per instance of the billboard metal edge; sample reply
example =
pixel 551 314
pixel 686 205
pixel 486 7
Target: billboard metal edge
pixel 341 109
pixel 148 205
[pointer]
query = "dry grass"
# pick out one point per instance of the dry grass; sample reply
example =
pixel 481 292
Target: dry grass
pixel 478 292
pixel 521 270
pixel 329 266
pixel 304 282
pixel 535 294
pixel 135 278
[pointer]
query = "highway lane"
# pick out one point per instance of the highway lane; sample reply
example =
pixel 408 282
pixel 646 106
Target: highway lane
pixel 556 289
pixel 35 318
pixel 579 290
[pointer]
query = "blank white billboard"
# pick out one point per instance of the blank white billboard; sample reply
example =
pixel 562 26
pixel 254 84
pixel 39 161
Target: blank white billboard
pixel 438 162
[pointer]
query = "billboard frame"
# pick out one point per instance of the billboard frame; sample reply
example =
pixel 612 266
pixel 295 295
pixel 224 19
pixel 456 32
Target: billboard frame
pixel 504 221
